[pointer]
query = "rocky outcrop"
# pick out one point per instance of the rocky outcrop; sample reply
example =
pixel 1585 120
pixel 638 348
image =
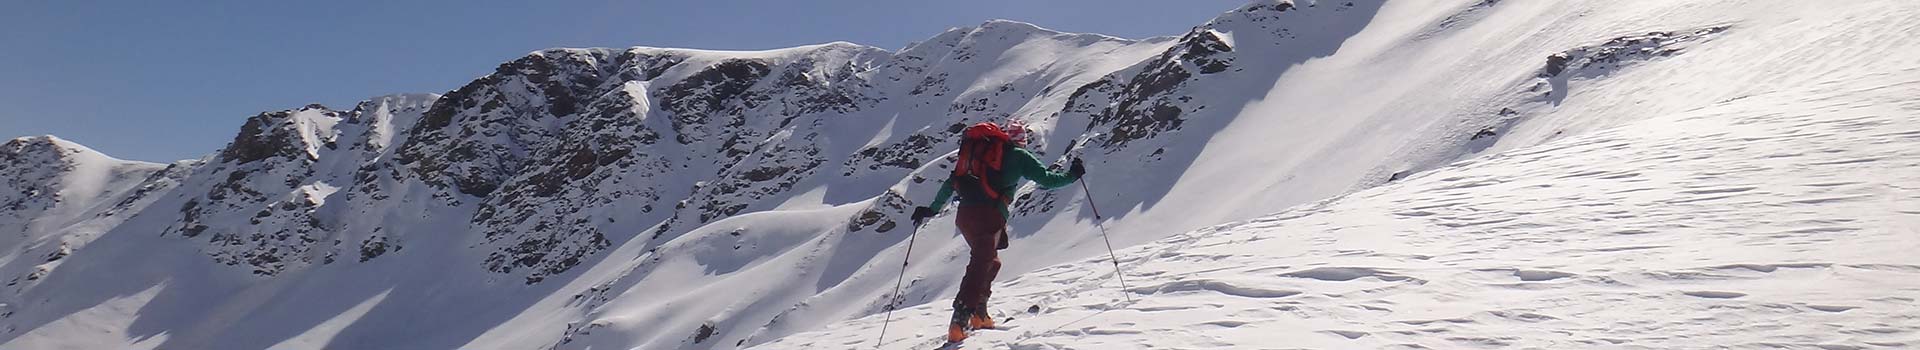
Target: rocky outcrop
pixel 613 174
pixel 1590 61
pixel 475 137
pixel 258 211
pixel 30 167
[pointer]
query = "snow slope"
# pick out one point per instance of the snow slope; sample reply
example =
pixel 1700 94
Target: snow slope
pixel 55 183
pixel 666 198
pixel 58 197
pixel 1783 220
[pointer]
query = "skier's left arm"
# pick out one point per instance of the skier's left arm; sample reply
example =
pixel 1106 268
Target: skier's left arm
pixel 941 197
pixel 921 213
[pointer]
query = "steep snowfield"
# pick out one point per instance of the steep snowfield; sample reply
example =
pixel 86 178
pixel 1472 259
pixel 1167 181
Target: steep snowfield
pixel 1784 220
pixel 662 198
pixel 1430 69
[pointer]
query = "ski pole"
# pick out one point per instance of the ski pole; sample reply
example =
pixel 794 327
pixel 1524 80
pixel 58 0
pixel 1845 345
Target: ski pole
pixel 1103 237
pixel 896 286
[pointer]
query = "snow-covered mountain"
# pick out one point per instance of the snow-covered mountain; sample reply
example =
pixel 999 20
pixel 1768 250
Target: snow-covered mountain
pixel 669 198
pixel 57 196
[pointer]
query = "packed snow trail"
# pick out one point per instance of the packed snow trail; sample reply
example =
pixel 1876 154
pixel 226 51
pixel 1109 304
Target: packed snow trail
pixel 1783 220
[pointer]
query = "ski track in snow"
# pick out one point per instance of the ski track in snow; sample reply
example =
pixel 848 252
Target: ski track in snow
pixel 1788 223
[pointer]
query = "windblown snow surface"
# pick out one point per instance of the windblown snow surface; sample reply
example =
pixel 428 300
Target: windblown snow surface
pixel 1446 174
pixel 1782 214
pixel 1787 222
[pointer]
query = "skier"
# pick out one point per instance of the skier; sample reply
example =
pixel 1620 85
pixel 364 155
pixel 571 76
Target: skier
pixel 991 162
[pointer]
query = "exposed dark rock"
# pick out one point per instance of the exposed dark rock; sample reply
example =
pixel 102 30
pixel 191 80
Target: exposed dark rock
pixel 905 154
pixel 1204 49
pixel 701 335
pixel 1145 106
pixel 1599 59
pixel 866 218
pixel 765 173
pixel 548 254
pixel 1484 133
pixel 58 253
pixel 648 67
pixel 1556 63
pixel 263 136
pixel 476 137
pixel 889 206
pixel 373 247
pixel 695 100
pixel 1281 6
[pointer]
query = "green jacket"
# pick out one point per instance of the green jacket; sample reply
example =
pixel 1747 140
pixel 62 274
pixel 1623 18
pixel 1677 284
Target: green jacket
pixel 1016 164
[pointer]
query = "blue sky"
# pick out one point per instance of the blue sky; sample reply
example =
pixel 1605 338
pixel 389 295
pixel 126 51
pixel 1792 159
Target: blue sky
pixel 167 80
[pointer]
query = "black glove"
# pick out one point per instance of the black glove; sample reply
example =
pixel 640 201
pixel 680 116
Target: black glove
pixel 1077 169
pixel 920 214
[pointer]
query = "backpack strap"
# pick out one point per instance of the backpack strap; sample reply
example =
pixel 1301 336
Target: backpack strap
pixel 994 152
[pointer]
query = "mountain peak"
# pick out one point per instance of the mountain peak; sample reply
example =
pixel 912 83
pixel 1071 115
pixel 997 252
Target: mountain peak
pixel 36 139
pixel 284 133
pixel 30 147
pixel 42 140
pixel 1010 25
pixel 953 36
pixel 47 147
pixel 409 100
pixel 1005 27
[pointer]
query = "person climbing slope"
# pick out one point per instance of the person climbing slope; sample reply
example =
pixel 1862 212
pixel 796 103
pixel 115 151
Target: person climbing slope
pixel 991 162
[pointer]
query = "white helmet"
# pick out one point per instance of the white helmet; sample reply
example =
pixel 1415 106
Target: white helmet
pixel 1017 131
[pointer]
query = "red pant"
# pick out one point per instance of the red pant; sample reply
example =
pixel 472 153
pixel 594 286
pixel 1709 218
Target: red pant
pixel 981 226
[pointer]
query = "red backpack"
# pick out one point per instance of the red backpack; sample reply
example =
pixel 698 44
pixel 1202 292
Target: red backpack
pixel 981 148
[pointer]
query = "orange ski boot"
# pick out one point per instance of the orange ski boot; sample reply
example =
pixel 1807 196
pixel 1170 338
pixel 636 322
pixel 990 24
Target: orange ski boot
pixel 957 327
pixel 980 320
pixel 956 333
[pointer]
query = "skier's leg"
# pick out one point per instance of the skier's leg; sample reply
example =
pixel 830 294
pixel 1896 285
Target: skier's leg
pixel 979 225
pixel 984 266
pixel 975 222
pixel 980 319
pixel 993 267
